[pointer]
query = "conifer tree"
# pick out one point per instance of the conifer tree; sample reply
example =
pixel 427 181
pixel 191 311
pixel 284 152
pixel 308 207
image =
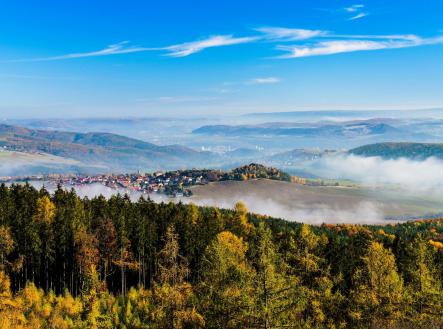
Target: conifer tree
pixel 172 295
pixel 226 292
pixel 44 215
pixel 378 289
pixel 276 292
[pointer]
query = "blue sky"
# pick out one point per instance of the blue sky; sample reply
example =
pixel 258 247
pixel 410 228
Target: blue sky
pixel 144 58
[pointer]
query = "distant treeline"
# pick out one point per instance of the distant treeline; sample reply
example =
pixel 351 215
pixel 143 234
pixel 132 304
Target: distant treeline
pixel 68 262
pixel 390 150
pixel 254 171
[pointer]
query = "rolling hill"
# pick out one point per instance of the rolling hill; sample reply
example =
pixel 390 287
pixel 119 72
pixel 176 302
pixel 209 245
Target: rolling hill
pixel 107 150
pixel 416 151
pixel 337 204
pixel 348 129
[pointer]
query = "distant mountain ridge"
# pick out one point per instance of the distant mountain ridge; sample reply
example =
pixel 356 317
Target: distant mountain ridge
pixel 391 150
pixel 113 151
pixel 339 129
pixel 311 114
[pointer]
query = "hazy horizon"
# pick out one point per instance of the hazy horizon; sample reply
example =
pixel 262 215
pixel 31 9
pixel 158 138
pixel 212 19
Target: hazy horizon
pixel 119 116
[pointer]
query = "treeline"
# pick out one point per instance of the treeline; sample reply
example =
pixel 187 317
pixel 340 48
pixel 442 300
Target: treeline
pixel 254 171
pixel 393 150
pixel 68 262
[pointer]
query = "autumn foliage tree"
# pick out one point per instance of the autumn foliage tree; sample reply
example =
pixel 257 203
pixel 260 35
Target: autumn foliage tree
pixel 378 289
pixel 71 262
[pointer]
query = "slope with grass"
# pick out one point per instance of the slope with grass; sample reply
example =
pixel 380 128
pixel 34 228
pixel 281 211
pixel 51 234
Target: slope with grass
pixel 111 151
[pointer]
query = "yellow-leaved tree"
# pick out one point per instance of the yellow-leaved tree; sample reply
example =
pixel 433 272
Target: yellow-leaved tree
pixel 226 291
pixel 378 289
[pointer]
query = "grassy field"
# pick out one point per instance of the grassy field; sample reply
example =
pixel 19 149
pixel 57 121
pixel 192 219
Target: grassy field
pixel 319 204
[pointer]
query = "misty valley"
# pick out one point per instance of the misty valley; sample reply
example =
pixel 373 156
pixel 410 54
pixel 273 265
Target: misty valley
pixel 340 165
pixel 221 164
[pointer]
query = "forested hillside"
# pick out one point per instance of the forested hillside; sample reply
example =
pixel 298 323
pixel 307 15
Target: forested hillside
pixel 68 262
pixel 418 151
pixel 254 170
pixel 111 151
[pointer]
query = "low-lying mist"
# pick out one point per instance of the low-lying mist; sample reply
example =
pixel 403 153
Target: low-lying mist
pixel 410 175
pixel 362 212
pixel 395 189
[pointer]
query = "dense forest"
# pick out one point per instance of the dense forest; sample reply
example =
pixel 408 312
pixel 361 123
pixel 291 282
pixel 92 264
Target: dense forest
pixel 390 150
pixel 68 262
pixel 254 170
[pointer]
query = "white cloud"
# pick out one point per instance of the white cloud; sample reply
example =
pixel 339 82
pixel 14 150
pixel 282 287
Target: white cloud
pixel 410 37
pixel 345 46
pixel 354 8
pixel 189 48
pixel 289 34
pixel 358 16
pixel 114 49
pixel 323 43
pixel 179 50
pixel 357 11
pixel 267 80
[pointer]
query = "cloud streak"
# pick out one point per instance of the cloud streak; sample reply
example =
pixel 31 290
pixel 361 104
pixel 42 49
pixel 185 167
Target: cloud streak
pixel 294 41
pixel 189 48
pixel 357 11
pixel 348 45
pixel 263 81
pixel 178 50
pixel 289 34
pixel 354 8
pixel 114 49
pixel 358 16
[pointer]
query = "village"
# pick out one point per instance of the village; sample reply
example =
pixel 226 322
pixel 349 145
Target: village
pixel 172 183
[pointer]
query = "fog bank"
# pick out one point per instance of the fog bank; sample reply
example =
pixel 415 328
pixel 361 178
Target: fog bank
pixel 411 175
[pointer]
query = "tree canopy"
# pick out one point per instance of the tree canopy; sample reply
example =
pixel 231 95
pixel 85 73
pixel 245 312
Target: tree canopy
pixel 68 262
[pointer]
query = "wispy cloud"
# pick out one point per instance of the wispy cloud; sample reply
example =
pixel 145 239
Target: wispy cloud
pixel 288 34
pixel 305 42
pixel 114 49
pixel 357 11
pixel 189 48
pixel 358 16
pixel 179 50
pixel 345 46
pixel 354 8
pixel 410 37
pixel 262 81
pixel 254 81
